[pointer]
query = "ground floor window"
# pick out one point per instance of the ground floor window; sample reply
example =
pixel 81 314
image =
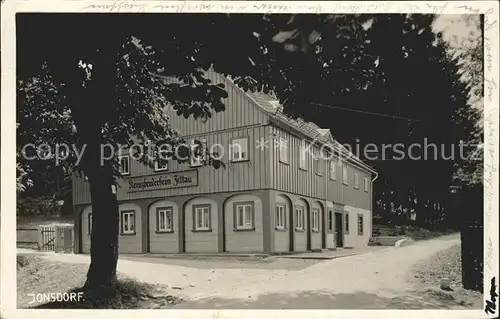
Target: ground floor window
pixel 280 216
pixel 315 220
pixel 299 218
pixel 330 220
pixel 202 217
pixel 360 224
pixel 128 222
pixel 347 222
pixel 89 223
pixel 244 219
pixel 165 219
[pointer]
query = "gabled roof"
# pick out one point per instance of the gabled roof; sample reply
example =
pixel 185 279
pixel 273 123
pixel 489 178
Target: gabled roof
pixel 271 106
pixel 266 102
pixel 311 130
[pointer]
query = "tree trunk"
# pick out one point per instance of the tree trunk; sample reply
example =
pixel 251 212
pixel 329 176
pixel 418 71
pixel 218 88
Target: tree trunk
pixel 472 254
pixel 101 276
pixel 91 106
pixel 469 205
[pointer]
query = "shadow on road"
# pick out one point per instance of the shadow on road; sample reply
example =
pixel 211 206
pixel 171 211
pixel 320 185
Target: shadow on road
pixel 319 300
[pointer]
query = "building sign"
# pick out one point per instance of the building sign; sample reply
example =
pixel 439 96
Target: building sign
pixel 162 181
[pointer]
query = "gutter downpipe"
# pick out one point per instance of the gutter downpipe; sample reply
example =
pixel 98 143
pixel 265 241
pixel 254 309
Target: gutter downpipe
pixel 371 203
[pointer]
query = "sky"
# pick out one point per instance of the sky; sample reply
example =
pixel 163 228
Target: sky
pixel 454 28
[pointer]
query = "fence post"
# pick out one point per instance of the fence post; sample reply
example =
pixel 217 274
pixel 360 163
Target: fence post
pixel 63 238
pixel 57 240
pixel 40 237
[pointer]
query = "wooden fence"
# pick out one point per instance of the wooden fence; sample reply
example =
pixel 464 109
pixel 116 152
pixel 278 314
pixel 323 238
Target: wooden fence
pixel 27 237
pixel 57 238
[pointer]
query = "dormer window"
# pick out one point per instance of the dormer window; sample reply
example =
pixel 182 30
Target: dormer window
pixel 276 104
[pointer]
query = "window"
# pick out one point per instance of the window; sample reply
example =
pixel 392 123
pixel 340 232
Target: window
pixel 244 216
pixel 196 159
pixel 346 222
pixel 280 216
pixel 360 224
pixel 164 219
pixel 239 150
pixel 344 174
pixel 161 167
pixel 356 181
pixel 366 184
pixel 128 222
pixel 330 220
pixel 299 217
pixel 318 165
pixel 125 165
pixel 303 155
pixel 315 220
pixel 201 218
pixel 284 151
pixel 89 223
pixel 333 170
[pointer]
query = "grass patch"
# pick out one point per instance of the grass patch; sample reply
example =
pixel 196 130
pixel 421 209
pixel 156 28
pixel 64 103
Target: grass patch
pixel 39 276
pixel 427 275
pixel 414 232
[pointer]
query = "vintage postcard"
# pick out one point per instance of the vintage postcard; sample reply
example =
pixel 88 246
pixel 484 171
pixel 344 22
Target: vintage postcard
pixel 229 158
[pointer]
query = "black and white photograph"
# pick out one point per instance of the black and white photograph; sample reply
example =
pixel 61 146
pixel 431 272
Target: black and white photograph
pixel 252 155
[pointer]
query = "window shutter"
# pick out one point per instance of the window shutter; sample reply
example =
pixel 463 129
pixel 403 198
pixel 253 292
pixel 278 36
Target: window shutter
pixel 133 223
pixel 194 217
pixel 285 224
pixel 235 216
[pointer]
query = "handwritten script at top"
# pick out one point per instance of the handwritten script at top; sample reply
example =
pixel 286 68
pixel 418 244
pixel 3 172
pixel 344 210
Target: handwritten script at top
pixel 269 7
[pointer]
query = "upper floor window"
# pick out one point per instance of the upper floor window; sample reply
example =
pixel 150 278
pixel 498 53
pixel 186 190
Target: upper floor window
pixel 366 184
pixel 196 159
pixel 161 166
pixel 318 163
pixel 356 180
pixel 125 164
pixel 333 170
pixel 239 149
pixel 344 174
pixel 283 150
pixel 303 155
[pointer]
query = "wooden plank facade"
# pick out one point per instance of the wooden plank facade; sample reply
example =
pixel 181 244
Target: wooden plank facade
pixel 268 202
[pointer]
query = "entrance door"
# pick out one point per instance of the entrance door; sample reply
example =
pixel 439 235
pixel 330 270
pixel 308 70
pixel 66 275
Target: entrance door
pixel 339 236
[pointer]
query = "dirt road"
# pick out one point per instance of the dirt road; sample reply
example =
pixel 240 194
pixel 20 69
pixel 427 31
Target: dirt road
pixel 375 280
pixel 372 280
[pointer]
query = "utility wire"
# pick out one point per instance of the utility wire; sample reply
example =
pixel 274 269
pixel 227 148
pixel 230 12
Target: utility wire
pixel 364 112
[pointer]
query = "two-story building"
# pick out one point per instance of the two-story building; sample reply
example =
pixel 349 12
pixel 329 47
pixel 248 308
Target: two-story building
pixel 274 195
